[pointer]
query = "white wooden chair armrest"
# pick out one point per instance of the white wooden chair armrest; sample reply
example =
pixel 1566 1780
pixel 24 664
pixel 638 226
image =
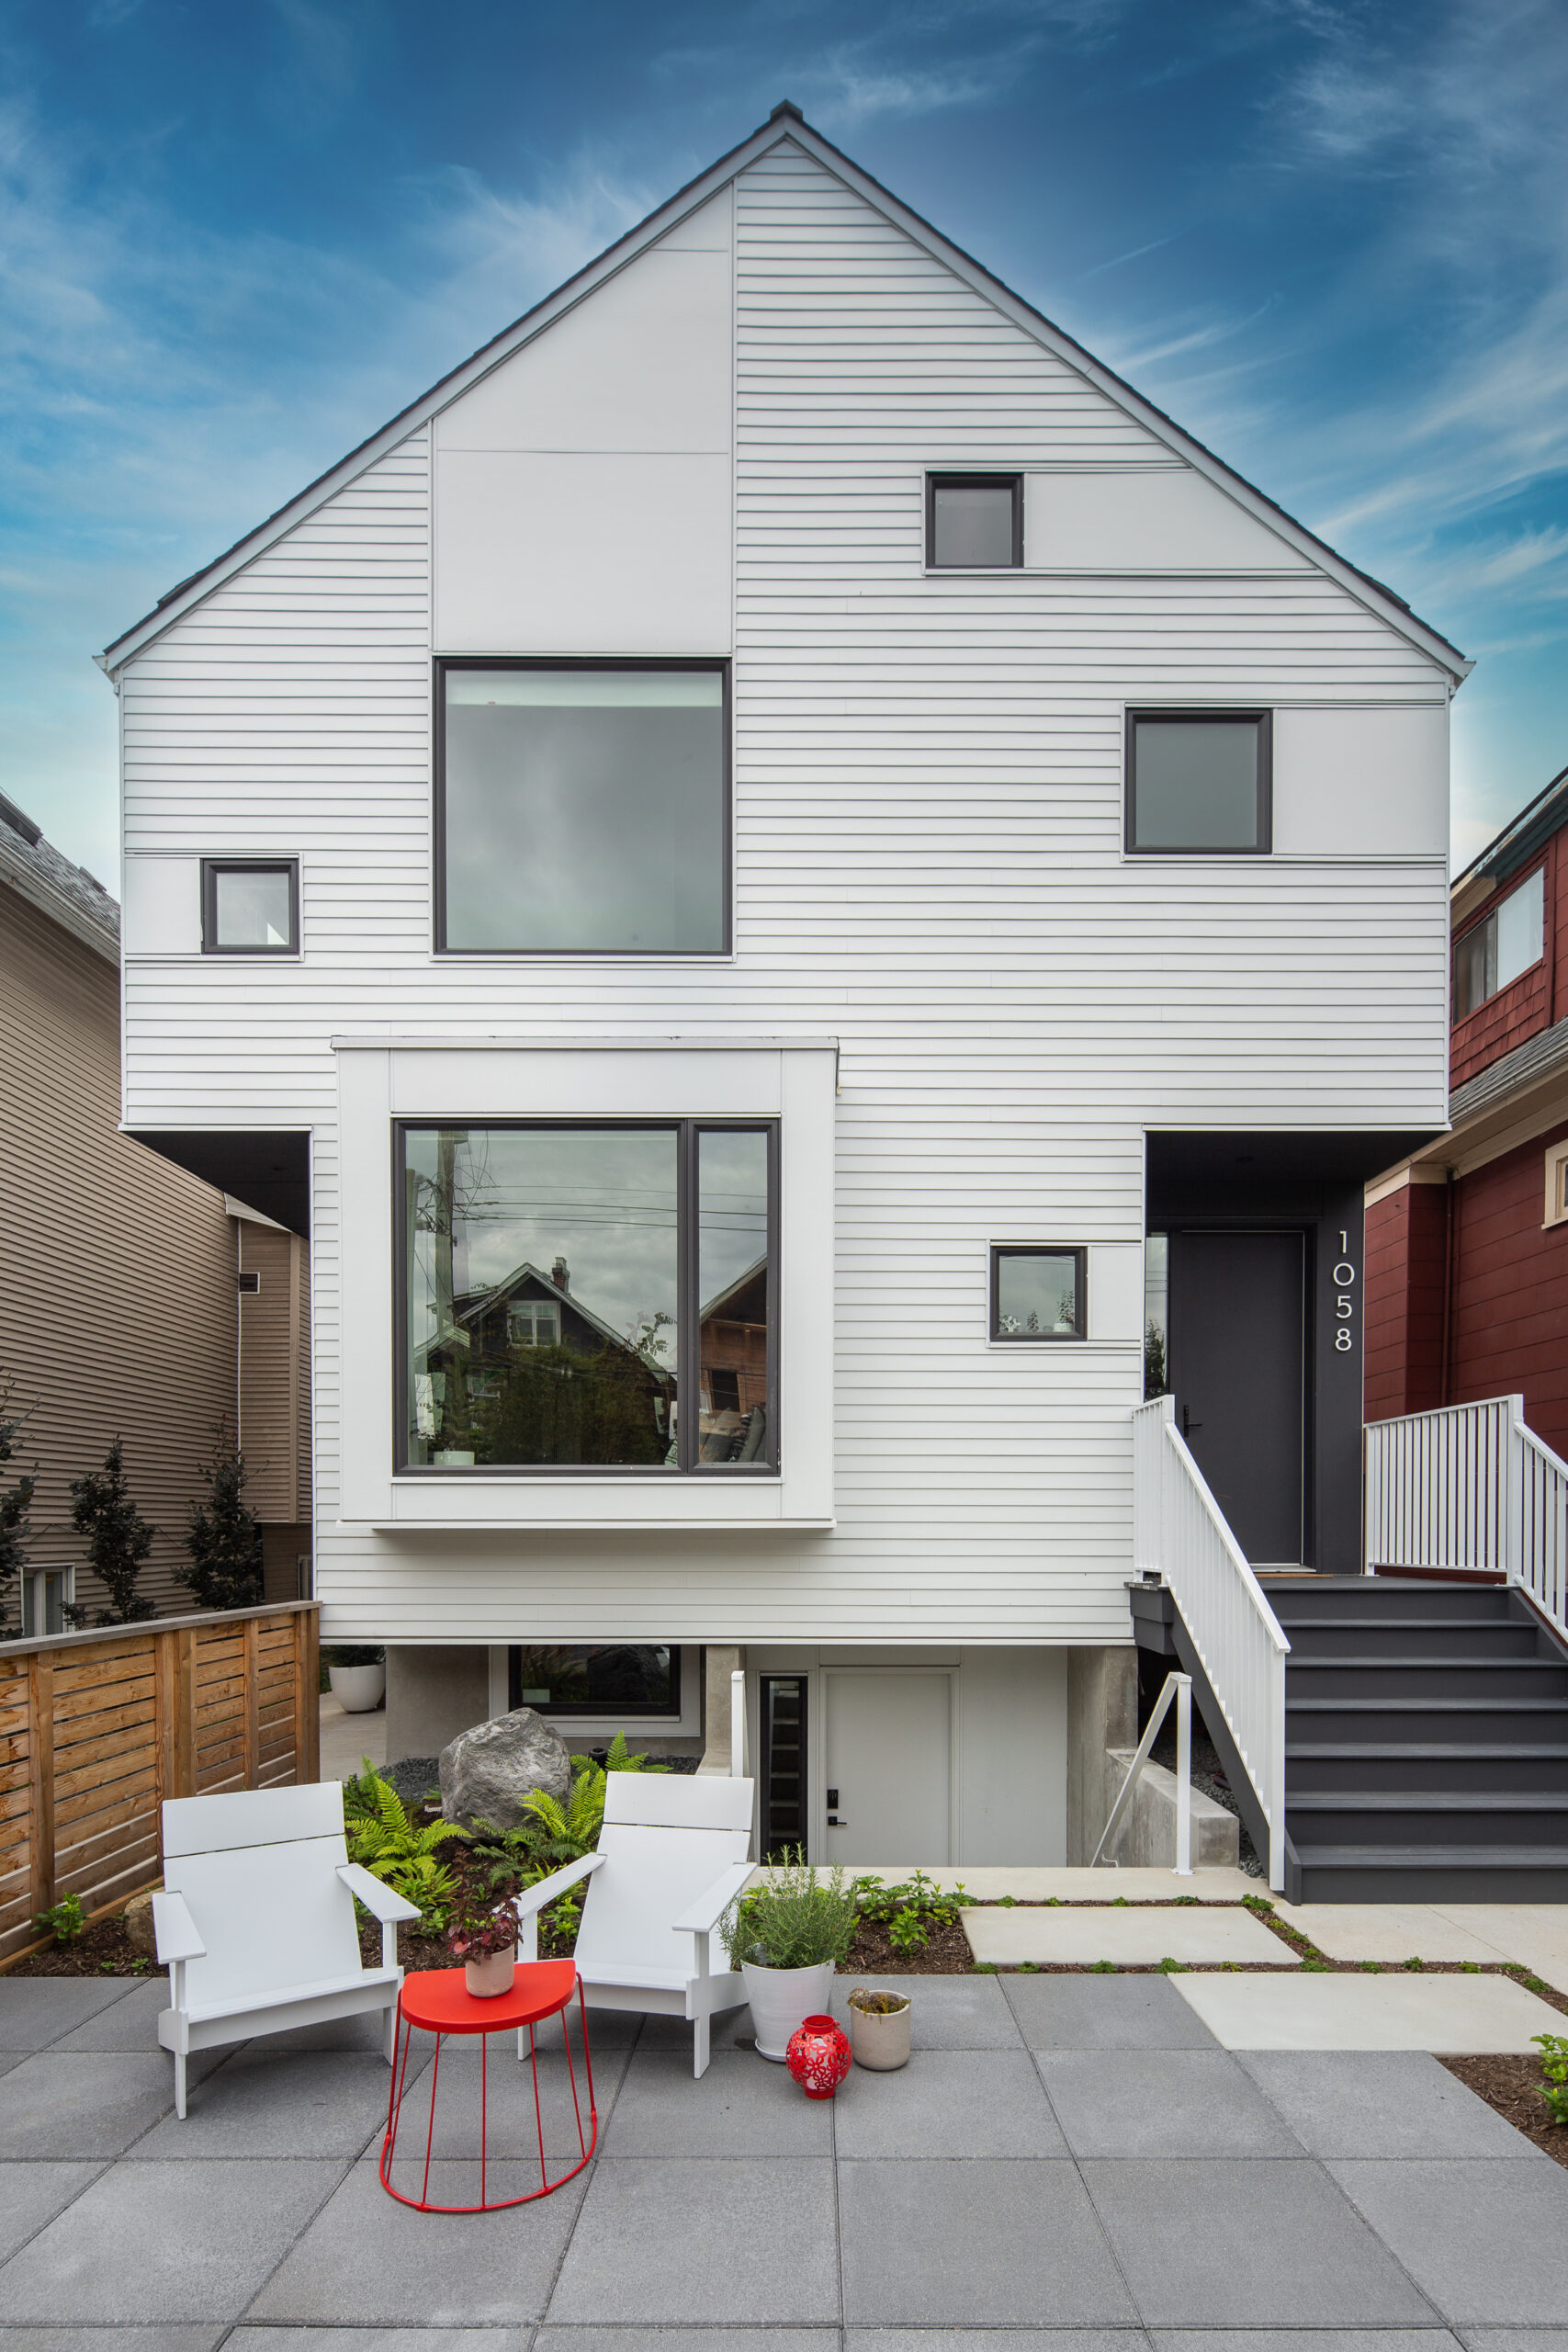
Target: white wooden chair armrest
pixel 174 1931
pixel 533 1899
pixel 704 1915
pixel 379 1898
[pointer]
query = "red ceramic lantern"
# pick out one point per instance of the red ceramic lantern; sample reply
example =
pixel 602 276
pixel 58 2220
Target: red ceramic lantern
pixel 818 2056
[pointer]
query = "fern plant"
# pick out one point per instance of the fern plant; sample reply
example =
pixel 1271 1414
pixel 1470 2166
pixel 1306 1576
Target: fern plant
pixel 392 1848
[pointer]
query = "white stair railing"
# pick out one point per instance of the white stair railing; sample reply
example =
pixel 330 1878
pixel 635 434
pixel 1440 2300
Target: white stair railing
pixel 1180 1687
pixel 1470 1487
pixel 1180 1532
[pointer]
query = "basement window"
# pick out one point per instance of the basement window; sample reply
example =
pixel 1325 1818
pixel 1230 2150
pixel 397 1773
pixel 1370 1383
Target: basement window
pixel 1502 947
pixel 618 1679
pixel 249 906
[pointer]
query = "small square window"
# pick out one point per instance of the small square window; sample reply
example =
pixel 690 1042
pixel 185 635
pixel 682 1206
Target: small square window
pixel 1505 944
pixel 1197 781
pixel 249 906
pixel 1039 1291
pixel 973 522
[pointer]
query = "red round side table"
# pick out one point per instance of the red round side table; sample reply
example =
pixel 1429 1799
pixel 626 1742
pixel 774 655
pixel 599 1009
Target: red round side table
pixel 437 2001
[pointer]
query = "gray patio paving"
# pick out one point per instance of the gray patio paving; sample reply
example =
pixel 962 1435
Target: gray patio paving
pixel 1066 2161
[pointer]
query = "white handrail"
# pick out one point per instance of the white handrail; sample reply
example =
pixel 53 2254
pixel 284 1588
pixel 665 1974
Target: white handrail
pixel 1180 1531
pixel 1470 1487
pixel 1180 1687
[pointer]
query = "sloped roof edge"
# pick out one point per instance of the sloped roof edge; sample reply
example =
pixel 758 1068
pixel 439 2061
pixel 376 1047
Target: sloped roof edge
pixel 785 123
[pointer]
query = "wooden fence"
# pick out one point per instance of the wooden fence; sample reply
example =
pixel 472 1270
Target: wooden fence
pixel 97 1729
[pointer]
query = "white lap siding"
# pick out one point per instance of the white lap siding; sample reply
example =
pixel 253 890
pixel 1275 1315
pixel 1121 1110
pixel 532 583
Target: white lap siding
pixel 927 867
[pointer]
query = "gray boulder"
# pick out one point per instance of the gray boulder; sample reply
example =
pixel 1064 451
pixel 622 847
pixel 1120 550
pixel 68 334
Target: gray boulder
pixel 488 1771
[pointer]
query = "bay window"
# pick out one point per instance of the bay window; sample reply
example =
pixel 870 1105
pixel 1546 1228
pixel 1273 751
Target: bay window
pixel 595 1297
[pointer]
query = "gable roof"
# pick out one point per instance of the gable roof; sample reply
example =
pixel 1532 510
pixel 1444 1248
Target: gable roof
pixel 785 123
pixel 76 899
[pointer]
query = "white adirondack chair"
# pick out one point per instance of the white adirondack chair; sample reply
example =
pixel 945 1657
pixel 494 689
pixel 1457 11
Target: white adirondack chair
pixel 672 1859
pixel 256 1921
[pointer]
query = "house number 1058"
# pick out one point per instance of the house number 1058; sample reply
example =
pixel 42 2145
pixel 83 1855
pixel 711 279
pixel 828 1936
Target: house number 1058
pixel 1344 1306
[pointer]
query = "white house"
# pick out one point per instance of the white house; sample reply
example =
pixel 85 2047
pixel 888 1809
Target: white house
pixel 732 867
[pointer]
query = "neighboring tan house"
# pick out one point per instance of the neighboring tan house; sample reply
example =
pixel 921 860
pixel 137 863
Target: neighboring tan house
pixel 1467 1241
pixel 784 785
pixel 123 1280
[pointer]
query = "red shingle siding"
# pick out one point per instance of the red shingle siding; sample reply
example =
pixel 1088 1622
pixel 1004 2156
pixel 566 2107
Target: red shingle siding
pixel 1510 1317
pixel 1405 1247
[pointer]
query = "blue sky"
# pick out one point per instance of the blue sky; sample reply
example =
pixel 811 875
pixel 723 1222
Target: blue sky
pixel 237 235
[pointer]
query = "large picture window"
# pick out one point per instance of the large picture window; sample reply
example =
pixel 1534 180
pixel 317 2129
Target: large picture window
pixel 583 809
pixel 624 1679
pixel 589 1297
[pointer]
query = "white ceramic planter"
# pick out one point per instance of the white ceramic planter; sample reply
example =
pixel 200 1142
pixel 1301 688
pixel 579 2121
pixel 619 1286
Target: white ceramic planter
pixel 880 2038
pixel 783 1998
pixel 487 1979
pixel 357 1689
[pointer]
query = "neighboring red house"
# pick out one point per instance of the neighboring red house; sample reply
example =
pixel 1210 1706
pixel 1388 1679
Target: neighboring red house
pixel 1467 1241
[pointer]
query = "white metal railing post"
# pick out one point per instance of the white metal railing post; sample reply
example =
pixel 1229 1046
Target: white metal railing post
pixel 1184 1777
pixel 1513 1492
pixel 1277 1774
pixel 1371 1500
pixel 738 1724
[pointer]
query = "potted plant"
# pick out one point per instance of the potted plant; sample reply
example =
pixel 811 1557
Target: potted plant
pixel 357 1675
pixel 486 1943
pixel 787 1935
pixel 879 2030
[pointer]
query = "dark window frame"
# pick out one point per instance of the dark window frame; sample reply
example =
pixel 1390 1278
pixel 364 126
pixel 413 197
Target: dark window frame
pixel 596 1710
pixel 212 867
pixel 1260 719
pixel 443 665
pixel 1076 1251
pixel 981 480
pixel 686 1132
pixel 1489 915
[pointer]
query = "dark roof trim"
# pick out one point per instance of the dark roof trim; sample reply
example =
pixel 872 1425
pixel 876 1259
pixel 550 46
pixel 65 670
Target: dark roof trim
pixel 1523 835
pixel 1538 1057
pixel 787 122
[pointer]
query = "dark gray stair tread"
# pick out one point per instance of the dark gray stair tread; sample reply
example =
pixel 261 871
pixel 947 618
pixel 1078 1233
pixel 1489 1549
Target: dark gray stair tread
pixel 1416 1704
pixel 1426 1800
pixel 1417 1751
pixel 1458 1858
pixel 1400 1622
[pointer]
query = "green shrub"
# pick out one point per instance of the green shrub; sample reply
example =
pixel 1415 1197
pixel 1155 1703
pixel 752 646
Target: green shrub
pixel 1554 2066
pixel 63 1920
pixel 793 1919
pixel 390 1847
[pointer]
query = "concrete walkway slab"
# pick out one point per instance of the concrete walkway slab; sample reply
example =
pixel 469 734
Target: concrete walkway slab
pixel 1393 1931
pixel 988 1881
pixel 1141 1936
pixel 1313 2011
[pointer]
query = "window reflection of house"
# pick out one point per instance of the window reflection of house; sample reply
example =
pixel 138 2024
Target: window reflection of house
pixel 527 1372
pixel 735 1369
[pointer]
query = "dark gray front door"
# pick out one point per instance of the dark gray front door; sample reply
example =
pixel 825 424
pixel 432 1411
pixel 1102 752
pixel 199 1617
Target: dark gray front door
pixel 1237 1309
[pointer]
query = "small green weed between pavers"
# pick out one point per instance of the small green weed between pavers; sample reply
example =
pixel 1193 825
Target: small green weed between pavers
pixel 1553 2048
pixel 1372 1967
pixel 1415 1964
pixel 1169 1967
pixel 1318 1967
pixel 1028 1968
pixel 1470 1967
pixel 985 1968
pixel 1187 1898
pixel 1103 1968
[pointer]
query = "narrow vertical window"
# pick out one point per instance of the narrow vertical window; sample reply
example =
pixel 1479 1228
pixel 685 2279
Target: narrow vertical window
pixel 734 1373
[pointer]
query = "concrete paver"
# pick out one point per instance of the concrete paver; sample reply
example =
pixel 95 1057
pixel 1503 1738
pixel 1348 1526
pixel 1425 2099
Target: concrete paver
pixel 1323 2011
pixel 1141 1936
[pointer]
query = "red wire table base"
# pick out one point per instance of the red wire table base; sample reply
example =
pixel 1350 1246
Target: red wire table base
pixel 437 2001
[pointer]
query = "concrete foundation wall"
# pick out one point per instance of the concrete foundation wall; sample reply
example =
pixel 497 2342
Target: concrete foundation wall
pixel 1147 1838
pixel 1102 1712
pixel 432 1695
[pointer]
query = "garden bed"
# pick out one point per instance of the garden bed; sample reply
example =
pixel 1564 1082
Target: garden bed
pixel 1511 2087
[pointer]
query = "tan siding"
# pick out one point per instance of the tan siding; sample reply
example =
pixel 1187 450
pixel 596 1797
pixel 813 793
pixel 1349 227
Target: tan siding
pixel 275 1374
pixel 117 1270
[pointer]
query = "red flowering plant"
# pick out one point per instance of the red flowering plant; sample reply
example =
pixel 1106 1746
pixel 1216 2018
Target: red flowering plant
pixel 476 1932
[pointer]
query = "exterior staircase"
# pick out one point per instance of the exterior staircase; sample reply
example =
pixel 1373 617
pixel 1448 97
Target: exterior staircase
pixel 1426 1742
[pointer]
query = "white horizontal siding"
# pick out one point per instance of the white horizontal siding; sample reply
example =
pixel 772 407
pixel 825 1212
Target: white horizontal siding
pixel 927 827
